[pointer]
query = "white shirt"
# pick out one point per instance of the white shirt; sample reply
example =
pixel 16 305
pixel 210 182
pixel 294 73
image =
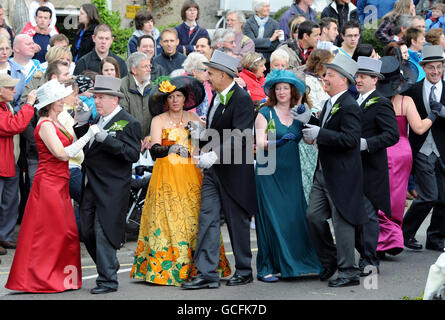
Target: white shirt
pixel 333 100
pixel 362 98
pixel 216 102
pixel 106 119
pixel 437 92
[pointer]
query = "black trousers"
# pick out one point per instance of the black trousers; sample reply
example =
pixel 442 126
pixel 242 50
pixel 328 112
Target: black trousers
pixel 367 236
pixel 98 246
pixel 214 200
pixel 429 176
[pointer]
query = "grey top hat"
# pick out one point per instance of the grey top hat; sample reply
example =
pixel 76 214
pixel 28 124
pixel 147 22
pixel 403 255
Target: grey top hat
pixel 432 54
pixel 344 65
pixel 370 66
pixel 107 85
pixel 224 62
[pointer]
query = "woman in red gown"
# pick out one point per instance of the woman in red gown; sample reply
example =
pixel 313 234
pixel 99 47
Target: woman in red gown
pixel 47 258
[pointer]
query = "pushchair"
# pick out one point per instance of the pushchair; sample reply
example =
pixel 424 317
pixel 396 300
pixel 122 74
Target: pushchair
pixel 139 185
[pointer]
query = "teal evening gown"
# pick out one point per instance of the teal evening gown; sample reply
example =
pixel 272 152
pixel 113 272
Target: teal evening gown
pixel 284 244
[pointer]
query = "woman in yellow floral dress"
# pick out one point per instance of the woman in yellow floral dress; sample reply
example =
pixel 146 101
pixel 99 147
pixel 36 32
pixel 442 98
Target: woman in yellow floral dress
pixel 169 222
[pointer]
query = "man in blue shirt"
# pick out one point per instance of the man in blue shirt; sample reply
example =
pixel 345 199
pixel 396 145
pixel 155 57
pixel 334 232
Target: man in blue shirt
pixel 42 37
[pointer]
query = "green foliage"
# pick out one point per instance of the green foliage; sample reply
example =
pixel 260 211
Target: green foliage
pixel 113 19
pixel 368 36
pixel 280 12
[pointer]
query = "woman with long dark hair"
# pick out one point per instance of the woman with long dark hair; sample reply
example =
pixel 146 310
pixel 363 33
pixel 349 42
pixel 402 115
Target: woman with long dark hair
pixel 82 41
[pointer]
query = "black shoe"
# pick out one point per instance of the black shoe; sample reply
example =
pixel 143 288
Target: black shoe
pixel 412 243
pixel 327 273
pixel 369 271
pixel 200 283
pixel 238 280
pixel 344 282
pixel 436 245
pixel 102 290
pixel 3 251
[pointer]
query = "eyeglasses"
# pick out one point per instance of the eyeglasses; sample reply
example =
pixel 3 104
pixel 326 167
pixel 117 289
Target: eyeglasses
pixel 432 68
pixel 352 36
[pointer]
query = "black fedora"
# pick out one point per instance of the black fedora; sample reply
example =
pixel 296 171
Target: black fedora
pixel 398 77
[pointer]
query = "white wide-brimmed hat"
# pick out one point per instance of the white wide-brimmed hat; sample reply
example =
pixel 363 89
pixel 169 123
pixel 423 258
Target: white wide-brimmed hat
pixel 50 92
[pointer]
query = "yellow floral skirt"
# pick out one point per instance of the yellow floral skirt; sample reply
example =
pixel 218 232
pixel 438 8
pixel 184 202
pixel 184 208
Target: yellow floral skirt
pixel 169 226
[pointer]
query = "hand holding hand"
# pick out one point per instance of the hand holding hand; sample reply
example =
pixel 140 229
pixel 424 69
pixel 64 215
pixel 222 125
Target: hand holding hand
pixel 311 132
pixel 438 108
pixel 101 135
pixel 206 160
pixel 301 113
pixel 179 150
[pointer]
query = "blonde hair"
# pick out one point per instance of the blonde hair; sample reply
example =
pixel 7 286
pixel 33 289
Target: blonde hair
pixel 252 61
pixel 4 39
pixel 400 7
pixel 55 53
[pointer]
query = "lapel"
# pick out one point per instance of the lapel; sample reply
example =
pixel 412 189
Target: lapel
pixel 372 95
pixel 323 111
pixel 221 108
pixel 339 102
pixel 108 125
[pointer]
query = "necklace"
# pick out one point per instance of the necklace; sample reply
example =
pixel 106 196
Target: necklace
pixel 175 123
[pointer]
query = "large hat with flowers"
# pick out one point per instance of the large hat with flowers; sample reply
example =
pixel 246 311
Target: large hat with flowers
pixel 279 76
pixel 192 89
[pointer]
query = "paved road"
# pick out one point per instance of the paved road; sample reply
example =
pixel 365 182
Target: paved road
pixel 400 277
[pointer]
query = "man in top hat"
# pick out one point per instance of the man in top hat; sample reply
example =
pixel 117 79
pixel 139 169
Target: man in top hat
pixel 106 179
pixel 337 190
pixel 379 131
pixel 428 155
pixel 228 185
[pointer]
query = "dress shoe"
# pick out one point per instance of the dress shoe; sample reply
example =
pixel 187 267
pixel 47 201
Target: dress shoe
pixel 102 290
pixel 344 282
pixel 412 243
pixel 327 273
pixel 268 278
pixel 369 271
pixel 436 245
pixel 3 251
pixel 200 283
pixel 8 244
pixel 238 280
pixel 409 196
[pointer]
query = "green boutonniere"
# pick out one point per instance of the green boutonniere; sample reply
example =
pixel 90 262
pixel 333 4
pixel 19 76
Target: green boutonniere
pixel 225 99
pixel 371 102
pixel 335 109
pixel 118 126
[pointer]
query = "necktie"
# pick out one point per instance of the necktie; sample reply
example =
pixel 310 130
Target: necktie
pixel 328 111
pixel 432 97
pixel 360 100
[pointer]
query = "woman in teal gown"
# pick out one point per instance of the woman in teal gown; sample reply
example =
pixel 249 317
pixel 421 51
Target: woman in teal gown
pixel 284 244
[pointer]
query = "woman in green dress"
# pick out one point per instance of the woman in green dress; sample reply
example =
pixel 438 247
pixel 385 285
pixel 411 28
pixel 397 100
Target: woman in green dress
pixel 284 244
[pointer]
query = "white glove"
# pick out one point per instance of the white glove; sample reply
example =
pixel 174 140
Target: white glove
pixel 363 144
pixel 311 132
pixel 196 130
pixel 73 149
pixel 206 160
pixel 301 113
pixel 83 113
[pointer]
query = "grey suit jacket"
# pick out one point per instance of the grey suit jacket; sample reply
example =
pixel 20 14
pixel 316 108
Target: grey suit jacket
pixel 262 45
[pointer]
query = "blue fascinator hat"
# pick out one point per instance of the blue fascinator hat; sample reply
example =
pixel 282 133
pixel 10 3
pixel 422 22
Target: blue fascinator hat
pixel 279 76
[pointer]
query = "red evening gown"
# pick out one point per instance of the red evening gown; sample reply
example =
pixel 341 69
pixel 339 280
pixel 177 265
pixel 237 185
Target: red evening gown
pixel 47 258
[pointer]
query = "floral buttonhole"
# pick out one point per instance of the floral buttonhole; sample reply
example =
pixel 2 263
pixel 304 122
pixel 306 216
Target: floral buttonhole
pixel 371 102
pixel 117 126
pixel 335 108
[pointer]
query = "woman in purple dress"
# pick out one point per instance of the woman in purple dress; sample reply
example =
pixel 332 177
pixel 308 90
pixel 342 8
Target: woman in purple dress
pixel 399 155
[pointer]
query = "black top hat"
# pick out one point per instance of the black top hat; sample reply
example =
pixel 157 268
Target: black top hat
pixel 192 89
pixel 398 77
